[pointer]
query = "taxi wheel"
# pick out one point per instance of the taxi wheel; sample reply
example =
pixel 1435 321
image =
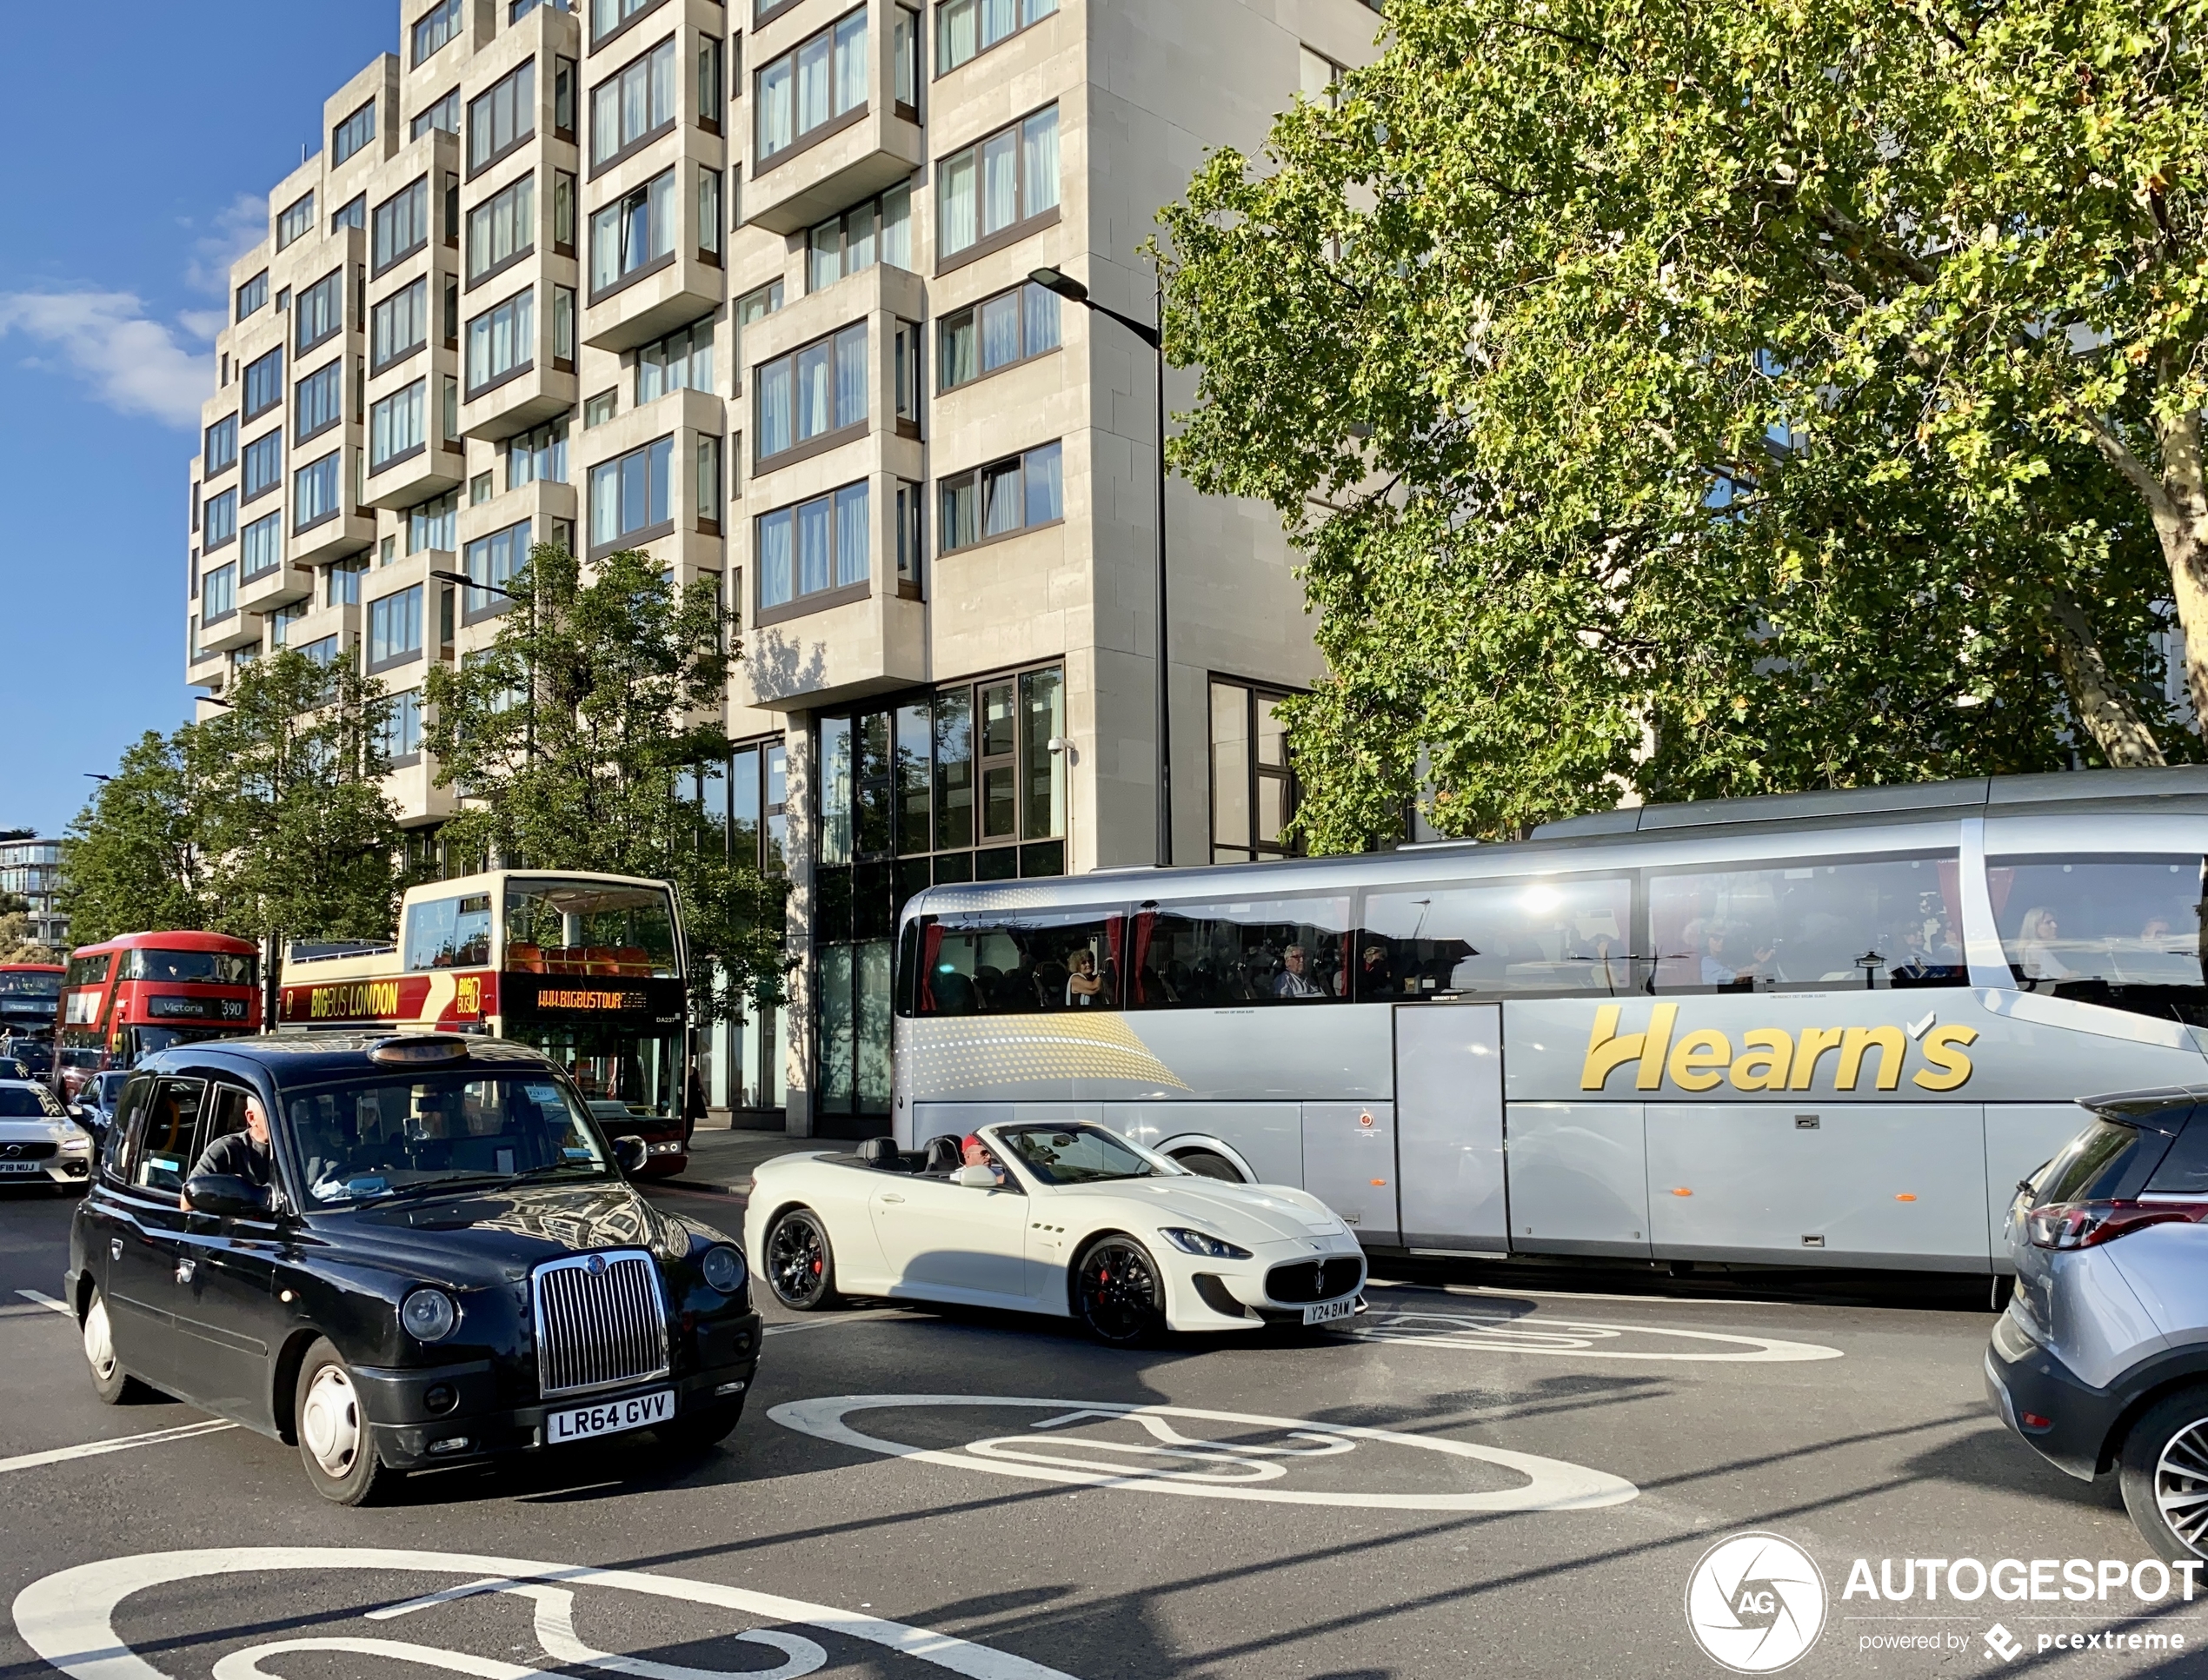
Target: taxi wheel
pixel 2164 1474
pixel 110 1381
pixel 1118 1295
pixel 801 1266
pixel 703 1430
pixel 335 1442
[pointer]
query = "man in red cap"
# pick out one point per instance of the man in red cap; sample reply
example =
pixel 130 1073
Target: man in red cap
pixel 977 1153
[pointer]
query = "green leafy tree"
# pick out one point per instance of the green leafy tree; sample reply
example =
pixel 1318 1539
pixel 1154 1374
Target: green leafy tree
pixel 1645 387
pixel 131 858
pixel 573 737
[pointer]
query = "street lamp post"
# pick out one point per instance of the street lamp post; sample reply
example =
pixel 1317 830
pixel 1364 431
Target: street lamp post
pixel 1057 281
pixel 529 720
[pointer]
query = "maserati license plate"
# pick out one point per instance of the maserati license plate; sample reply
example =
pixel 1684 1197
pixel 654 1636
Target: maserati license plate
pixel 637 1411
pixel 1327 1311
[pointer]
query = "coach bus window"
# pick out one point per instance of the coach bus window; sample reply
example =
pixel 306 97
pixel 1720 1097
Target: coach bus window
pixel 2124 932
pixel 1517 938
pixel 1037 965
pixel 1811 925
pixel 1259 950
pixel 219 968
pixel 449 932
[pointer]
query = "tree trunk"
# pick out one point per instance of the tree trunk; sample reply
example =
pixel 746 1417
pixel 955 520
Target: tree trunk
pixel 2181 524
pixel 2104 706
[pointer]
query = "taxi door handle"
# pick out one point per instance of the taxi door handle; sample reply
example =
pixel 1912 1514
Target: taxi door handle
pixel 887 1196
pixel 114 1248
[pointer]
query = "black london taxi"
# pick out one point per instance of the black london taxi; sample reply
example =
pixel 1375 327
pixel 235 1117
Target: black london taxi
pixel 398 1252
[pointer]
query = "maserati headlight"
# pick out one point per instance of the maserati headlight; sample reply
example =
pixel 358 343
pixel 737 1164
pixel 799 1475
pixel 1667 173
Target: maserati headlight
pixel 428 1315
pixel 724 1270
pixel 1203 1243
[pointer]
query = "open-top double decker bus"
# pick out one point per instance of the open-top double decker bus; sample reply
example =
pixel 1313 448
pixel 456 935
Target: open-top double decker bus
pixel 587 968
pixel 136 993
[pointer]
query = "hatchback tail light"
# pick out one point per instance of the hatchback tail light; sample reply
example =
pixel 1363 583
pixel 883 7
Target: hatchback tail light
pixel 2085 1224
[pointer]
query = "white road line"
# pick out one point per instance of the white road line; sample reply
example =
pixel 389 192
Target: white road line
pixel 830 1321
pixel 1579 1295
pixel 46 1301
pixel 121 1444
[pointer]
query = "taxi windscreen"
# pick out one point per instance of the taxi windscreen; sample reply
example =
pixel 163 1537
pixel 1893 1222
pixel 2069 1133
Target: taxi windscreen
pixel 387 1135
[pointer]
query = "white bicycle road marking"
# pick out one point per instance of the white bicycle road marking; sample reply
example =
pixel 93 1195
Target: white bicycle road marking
pixel 121 1444
pixel 36 1299
pixel 68 1617
pixel 1224 1470
pixel 1577 1339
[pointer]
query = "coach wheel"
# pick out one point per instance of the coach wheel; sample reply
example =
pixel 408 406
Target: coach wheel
pixel 1117 1294
pixel 801 1266
pixel 1208 1164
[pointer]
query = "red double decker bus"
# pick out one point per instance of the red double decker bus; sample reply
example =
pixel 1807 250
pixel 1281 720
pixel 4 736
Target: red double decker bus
pixel 138 992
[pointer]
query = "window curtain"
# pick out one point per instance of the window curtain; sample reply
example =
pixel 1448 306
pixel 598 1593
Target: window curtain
pixel 853 538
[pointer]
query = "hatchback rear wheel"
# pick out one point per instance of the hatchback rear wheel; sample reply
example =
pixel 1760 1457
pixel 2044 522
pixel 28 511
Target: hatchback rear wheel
pixel 2165 1474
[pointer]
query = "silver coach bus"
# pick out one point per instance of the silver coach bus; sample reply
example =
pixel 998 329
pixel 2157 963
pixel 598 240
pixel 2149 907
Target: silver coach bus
pixel 1825 1028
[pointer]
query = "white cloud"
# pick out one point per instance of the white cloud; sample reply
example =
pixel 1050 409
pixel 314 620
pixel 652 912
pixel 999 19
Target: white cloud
pixel 237 228
pixel 135 364
pixel 204 323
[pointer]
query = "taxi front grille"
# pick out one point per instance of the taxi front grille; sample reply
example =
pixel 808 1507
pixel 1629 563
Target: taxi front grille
pixel 1302 1281
pixel 599 1322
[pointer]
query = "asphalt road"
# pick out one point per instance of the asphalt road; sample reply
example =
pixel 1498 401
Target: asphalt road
pixel 1480 1478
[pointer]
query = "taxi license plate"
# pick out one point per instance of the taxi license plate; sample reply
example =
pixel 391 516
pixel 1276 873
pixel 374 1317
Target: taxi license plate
pixel 637 1411
pixel 21 1166
pixel 1326 1311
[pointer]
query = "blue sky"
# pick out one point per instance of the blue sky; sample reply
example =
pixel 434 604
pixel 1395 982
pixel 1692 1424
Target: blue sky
pixel 141 141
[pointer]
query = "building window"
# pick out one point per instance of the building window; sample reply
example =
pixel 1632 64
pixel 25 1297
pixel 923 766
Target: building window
pixel 911 535
pixel 253 296
pixel 996 333
pixel 517 10
pixel 709 484
pixel 400 226
pixel 822 78
pixel 633 106
pixel 398 326
pixel 394 427
pixel 680 362
pixel 501 118
pixel 296 222
pixel 401 734
pixel 1321 77
pixel 433 28
pixel 990 189
pixel 444 116
pixel 353 213
pixel 342 588
pixel 222 446
pixel 355 132
pixel 218 522
pixel 493 560
pixel 597 410
pixel 905 375
pixel 813 548
pixel 539 456
pixel 502 231
pixel 261 547
pixel 502 343
pixel 751 307
pixel 395 628
pixel 218 595
pixel 607 15
pixel 632 234
pixel 263 465
pixel 709 214
pixel 563 212
pixel 904 63
pixel 629 497
pixel 320 312
pixel 318 401
pixel 709 100
pixel 1001 499
pixel 965 28
pixel 434 524
pixel 879 231
pixel 263 383
pixel 564 327
pixel 315 492
pixel 1253 792
pixel 814 392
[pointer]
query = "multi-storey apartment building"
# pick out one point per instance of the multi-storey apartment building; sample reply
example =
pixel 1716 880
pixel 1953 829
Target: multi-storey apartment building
pixel 746 285
pixel 32 870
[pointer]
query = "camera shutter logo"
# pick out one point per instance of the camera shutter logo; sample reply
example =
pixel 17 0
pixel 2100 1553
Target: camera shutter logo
pixel 1755 1604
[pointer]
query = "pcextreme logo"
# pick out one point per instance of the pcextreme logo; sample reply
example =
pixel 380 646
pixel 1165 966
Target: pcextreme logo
pixel 1771 1059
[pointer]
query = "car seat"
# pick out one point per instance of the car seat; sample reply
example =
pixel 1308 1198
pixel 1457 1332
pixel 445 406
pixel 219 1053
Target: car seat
pixel 946 1155
pixel 882 1154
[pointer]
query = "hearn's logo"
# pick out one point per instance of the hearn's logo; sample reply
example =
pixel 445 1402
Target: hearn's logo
pixel 1770 1058
pixel 1755 1604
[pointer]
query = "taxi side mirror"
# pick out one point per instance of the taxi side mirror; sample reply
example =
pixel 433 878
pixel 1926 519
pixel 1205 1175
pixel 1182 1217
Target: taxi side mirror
pixel 226 1196
pixel 629 1152
pixel 975 1177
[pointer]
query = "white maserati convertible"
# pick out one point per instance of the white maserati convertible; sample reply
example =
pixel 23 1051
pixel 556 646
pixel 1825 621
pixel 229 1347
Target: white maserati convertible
pixel 1066 1218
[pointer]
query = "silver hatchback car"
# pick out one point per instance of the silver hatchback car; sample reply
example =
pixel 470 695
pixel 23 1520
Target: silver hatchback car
pixel 2101 1360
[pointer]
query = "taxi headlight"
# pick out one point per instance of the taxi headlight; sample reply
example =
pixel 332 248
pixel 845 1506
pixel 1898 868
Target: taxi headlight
pixel 428 1315
pixel 724 1270
pixel 1203 1243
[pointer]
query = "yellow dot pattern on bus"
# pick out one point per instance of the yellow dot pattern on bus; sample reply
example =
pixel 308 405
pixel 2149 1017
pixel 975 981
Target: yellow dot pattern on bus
pixel 1011 1051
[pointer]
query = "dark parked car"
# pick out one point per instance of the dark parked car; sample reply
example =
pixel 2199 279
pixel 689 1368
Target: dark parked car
pixel 445 1260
